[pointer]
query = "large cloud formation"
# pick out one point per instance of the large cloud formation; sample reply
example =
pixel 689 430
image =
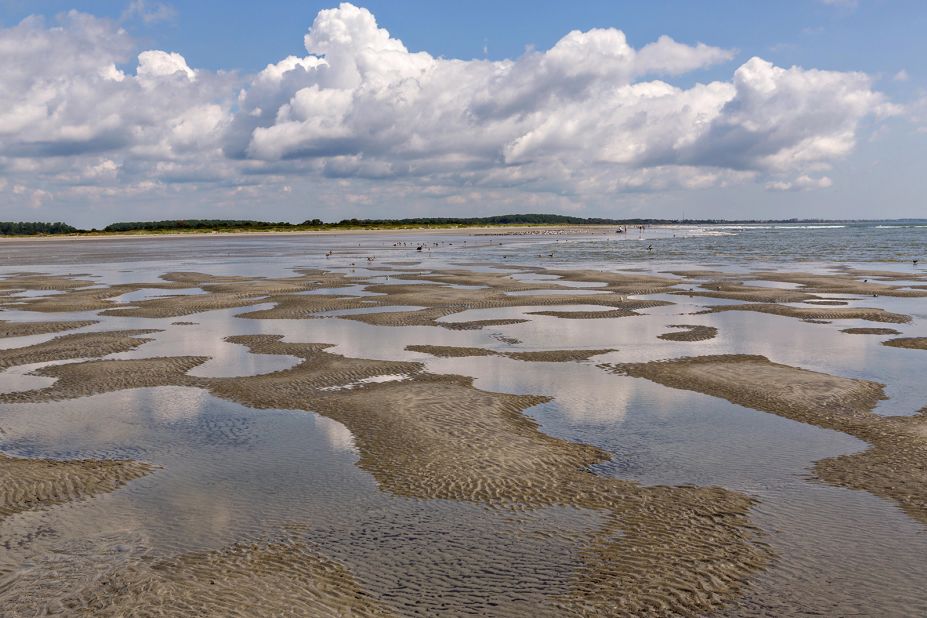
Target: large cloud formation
pixel 591 115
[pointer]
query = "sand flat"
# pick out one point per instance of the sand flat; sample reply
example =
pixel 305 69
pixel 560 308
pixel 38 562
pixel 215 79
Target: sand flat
pixel 437 438
pixel 894 467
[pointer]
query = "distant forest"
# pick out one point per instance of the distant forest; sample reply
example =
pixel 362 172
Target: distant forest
pixel 192 224
pixel 15 228
pixel 10 228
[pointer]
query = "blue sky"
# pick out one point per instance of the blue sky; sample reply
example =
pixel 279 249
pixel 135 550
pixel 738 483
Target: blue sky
pixel 590 125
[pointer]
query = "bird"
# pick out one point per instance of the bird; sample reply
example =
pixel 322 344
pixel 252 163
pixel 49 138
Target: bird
pixel 915 260
pixel 649 247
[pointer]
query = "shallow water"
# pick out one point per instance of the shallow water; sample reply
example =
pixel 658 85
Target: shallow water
pixel 229 473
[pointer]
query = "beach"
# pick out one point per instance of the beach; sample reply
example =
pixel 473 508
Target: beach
pixel 556 421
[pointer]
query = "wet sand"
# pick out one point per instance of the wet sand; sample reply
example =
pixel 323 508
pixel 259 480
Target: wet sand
pixel 870 314
pixel 894 467
pixel 436 436
pixel 34 483
pixel 870 331
pixel 25 329
pixel 690 332
pixel 545 356
pixel 910 343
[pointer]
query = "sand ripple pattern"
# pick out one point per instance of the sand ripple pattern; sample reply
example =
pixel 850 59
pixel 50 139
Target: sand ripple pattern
pixel 870 314
pixel 25 329
pixel 269 579
pixel 690 332
pixel 66 347
pixel 661 549
pixel 895 467
pixel 545 356
pixel 909 343
pixel 31 483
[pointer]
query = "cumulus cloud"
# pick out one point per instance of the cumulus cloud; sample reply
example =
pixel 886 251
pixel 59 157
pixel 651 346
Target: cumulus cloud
pixel 802 183
pixel 590 115
pixel 574 116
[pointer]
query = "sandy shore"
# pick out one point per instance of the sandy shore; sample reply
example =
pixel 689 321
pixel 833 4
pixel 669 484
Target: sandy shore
pixel 690 332
pixel 894 467
pixel 495 230
pixel 546 356
pixel 437 437
pixel 687 550
pixel 911 343
pixel 34 483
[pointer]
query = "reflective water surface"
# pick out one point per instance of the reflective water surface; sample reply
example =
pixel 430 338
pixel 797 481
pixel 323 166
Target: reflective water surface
pixel 227 473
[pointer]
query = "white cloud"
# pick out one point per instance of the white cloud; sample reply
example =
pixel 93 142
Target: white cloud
pixel 81 107
pixel 363 104
pixel 901 76
pixel 802 183
pixel 155 64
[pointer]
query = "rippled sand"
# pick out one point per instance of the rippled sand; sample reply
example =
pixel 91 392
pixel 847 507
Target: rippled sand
pixel 428 437
pixel 896 464
pixel 33 483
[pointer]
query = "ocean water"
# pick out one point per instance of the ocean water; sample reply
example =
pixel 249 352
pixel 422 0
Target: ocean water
pixel 672 245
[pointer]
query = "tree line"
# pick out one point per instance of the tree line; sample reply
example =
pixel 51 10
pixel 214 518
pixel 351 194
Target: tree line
pixel 33 228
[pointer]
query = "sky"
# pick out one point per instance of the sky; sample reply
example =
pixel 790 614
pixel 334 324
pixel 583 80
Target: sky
pixel 122 110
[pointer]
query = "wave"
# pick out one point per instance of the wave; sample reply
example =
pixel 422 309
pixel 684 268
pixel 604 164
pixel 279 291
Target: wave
pixel 809 227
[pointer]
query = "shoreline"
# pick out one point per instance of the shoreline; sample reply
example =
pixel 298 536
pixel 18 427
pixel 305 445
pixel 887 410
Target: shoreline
pixel 526 229
pixel 426 430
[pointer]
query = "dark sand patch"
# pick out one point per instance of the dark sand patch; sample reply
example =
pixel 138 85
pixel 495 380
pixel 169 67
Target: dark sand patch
pixel 438 299
pixel 267 579
pixel 221 292
pixel 746 293
pixel 690 332
pixel 870 331
pixel 26 329
pixel 38 281
pixel 547 356
pixel 627 283
pixel 910 343
pixel 72 301
pixel 172 306
pixel 437 437
pixel 870 314
pixel 27 484
pixel 587 315
pixel 894 467
pixel 850 283
pixel 478 324
pixel 104 376
pixel 883 275
pixel 81 345
pixel 309 306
